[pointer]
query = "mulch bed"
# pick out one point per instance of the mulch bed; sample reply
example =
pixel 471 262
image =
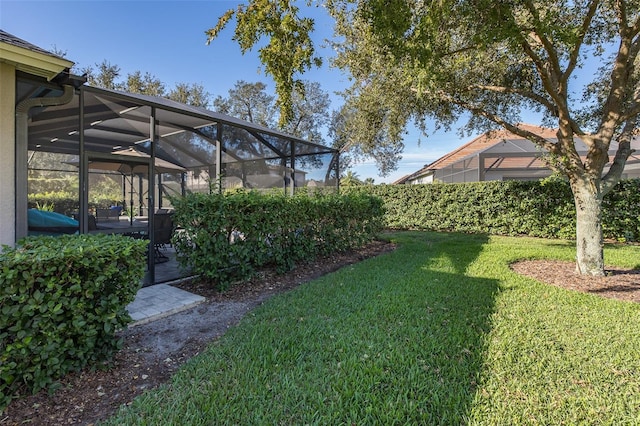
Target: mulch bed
pixel 618 283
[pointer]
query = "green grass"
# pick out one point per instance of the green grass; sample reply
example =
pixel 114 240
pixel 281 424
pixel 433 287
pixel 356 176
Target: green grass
pixel 440 331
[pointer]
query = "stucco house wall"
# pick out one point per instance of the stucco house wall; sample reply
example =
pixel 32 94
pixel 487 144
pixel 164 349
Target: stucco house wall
pixel 17 55
pixel 8 156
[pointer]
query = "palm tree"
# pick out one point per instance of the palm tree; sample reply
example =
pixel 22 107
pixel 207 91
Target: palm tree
pixel 350 179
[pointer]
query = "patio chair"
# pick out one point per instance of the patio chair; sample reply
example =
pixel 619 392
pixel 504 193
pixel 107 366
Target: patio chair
pixel 107 214
pixel 92 224
pixel 162 232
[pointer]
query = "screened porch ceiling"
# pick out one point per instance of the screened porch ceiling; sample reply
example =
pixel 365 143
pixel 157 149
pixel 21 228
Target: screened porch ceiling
pixel 187 135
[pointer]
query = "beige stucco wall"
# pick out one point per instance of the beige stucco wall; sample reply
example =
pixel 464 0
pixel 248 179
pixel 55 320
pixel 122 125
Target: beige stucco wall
pixel 7 153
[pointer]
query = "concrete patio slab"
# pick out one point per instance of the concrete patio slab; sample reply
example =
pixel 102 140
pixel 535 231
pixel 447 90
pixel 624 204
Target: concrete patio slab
pixel 157 301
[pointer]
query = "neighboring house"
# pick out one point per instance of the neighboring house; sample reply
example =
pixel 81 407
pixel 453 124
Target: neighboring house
pixel 501 155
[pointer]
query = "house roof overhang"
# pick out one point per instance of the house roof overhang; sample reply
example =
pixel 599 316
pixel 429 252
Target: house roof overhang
pixel 31 59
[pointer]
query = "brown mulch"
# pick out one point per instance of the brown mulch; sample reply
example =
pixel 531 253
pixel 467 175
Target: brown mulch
pixel 153 352
pixel 618 283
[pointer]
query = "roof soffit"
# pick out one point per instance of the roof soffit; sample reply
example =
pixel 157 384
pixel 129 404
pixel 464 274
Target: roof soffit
pixel 33 62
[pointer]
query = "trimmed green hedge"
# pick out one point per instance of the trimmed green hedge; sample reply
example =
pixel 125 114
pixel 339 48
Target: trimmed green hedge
pixel 65 205
pixel 540 209
pixel 62 299
pixel 621 211
pixel 229 236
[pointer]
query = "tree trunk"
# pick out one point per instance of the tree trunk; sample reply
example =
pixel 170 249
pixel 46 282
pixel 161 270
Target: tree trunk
pixel 589 241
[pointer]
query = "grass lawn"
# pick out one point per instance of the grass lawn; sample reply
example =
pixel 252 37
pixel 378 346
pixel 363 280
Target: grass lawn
pixel 440 331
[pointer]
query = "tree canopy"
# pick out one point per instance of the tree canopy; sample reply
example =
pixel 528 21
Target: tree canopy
pixel 248 101
pixel 413 61
pixel 251 102
pixel 109 76
pixel 496 60
pixel 289 50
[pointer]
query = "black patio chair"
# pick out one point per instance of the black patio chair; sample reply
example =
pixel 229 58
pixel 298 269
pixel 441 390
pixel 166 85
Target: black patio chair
pixel 162 232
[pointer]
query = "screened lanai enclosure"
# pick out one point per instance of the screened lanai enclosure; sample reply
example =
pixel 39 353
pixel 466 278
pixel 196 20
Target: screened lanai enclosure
pixel 138 150
pixel 516 159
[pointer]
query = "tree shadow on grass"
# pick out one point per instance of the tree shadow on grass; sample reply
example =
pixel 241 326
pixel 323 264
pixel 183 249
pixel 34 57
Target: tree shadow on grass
pixel 447 318
pixel 399 339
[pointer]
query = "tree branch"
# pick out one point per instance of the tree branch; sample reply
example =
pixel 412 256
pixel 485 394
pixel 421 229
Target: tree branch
pixel 612 116
pixel 633 112
pixel 573 57
pixel 524 93
pixel 553 79
pixel 635 28
pixel 634 108
pixel 622 154
pixel 548 81
pixel 621 14
pixel 536 139
pixel 546 43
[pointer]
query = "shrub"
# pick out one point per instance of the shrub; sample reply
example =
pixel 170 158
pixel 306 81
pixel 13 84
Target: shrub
pixel 540 209
pixel 621 211
pixel 228 236
pixel 66 205
pixel 62 299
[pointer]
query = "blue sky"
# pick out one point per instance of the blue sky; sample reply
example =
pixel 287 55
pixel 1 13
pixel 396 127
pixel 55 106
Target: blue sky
pixel 166 39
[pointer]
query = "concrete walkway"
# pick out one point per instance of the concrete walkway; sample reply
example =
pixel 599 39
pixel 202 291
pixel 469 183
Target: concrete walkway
pixel 158 301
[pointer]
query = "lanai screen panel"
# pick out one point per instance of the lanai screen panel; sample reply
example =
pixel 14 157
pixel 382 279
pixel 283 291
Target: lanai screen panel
pixel 317 170
pixel 188 149
pixel 470 166
pixel 109 123
pixel 195 150
pixel 256 174
pixel 51 147
pixel 112 123
pixel 464 170
pixel 245 145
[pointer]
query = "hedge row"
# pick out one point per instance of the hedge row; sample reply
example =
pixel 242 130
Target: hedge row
pixel 540 209
pixel 65 205
pixel 62 299
pixel 226 237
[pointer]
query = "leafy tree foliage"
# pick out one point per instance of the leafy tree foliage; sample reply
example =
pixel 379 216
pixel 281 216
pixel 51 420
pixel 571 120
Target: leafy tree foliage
pixel 105 75
pixel 109 76
pixel 289 50
pixel 412 61
pixel 190 94
pixel 350 178
pixel 251 102
pixel 352 148
pixel 310 112
pixel 248 101
pixel 146 84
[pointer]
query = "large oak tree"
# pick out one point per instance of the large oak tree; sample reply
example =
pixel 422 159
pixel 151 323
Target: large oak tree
pixel 416 60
